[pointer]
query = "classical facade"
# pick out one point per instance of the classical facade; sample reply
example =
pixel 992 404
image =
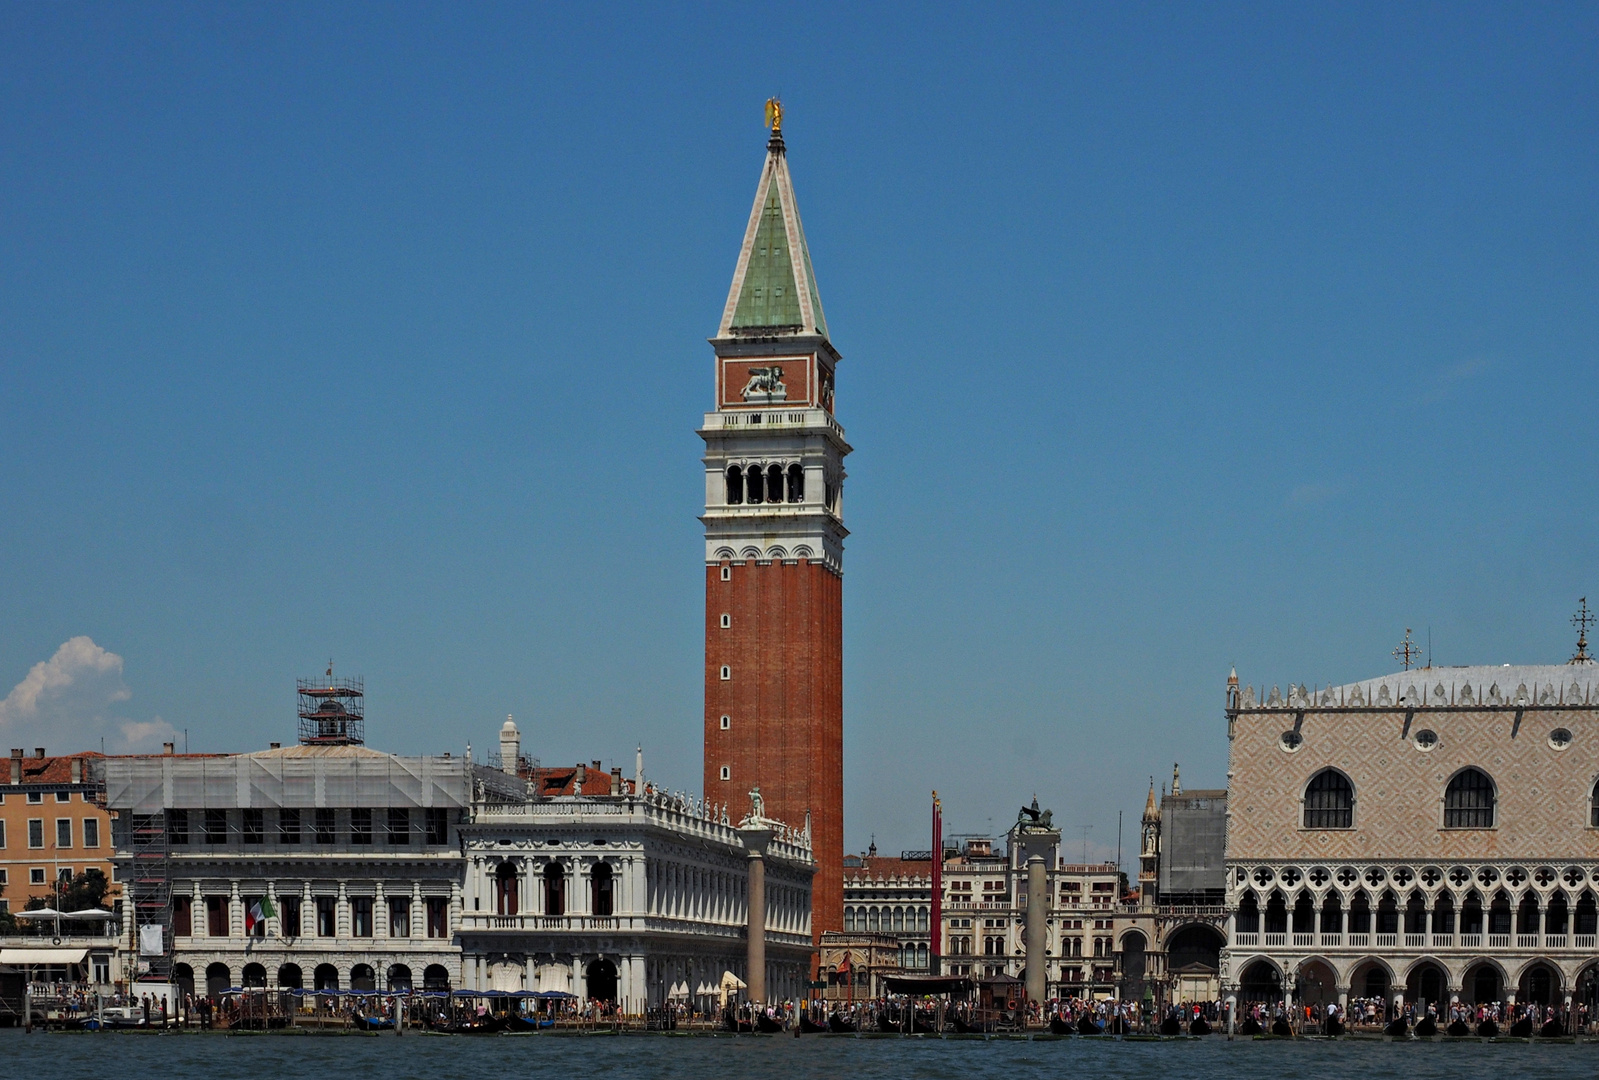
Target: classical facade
pixel 309 866
pixel 985 911
pixel 620 892
pixel 1432 833
pixel 888 898
pixel 774 540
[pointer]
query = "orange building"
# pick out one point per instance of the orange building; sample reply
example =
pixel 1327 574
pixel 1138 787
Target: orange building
pixel 53 825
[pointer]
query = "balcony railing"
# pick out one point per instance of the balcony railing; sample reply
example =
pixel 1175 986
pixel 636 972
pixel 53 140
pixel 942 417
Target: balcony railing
pixel 1332 939
pixel 1585 941
pixel 1276 940
pixel 1359 941
pixel 1304 940
pixel 1387 941
pixel 1471 941
pixel 1415 941
pixel 1555 941
pixel 1443 941
pixel 1499 941
pixel 1249 940
pixel 1527 941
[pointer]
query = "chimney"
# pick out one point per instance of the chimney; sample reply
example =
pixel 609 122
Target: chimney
pixel 77 770
pixel 274 746
pixel 166 748
pixel 616 780
pixel 16 766
pixel 38 752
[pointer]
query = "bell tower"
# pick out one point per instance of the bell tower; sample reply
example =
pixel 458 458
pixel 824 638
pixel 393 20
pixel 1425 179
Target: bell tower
pixel 774 541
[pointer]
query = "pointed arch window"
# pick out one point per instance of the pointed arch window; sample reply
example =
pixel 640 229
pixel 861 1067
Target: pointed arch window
pixel 1469 801
pixel 1593 806
pixel 1329 801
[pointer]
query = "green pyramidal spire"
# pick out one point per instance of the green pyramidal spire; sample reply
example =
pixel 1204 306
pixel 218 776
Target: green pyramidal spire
pixel 774 288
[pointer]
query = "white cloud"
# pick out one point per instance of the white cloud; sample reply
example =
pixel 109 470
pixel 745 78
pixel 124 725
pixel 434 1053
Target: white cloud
pixel 68 703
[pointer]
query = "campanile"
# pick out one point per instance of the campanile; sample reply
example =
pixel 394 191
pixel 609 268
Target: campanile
pixel 774 541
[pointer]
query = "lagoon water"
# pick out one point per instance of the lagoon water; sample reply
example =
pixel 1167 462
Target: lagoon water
pixel 217 1056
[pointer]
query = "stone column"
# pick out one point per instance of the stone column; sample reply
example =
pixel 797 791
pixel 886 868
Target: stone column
pixel 380 911
pixel 235 910
pixel 756 836
pixel 341 908
pixel 1037 931
pixel 199 924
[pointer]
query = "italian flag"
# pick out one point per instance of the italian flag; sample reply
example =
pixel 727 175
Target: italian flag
pixel 259 911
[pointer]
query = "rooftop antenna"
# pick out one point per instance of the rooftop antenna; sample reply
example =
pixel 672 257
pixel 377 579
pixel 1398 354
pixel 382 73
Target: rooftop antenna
pixel 1582 620
pixel 1084 830
pixel 1429 648
pixel 1407 653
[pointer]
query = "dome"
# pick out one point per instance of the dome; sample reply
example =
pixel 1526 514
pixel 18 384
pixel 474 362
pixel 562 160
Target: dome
pixel 509 726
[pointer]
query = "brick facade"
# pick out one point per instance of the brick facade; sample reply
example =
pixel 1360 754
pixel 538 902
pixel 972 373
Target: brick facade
pixel 784 702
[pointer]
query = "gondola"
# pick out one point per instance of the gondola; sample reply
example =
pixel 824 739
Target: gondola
pixel 1173 1026
pixel 374 1023
pixel 838 1025
pixel 1118 1026
pixel 811 1027
pixel 1552 1030
pixel 1459 1029
pixel 884 1023
pixel 1397 1027
pixel 767 1025
pixel 1335 1026
pixel 1521 1029
pixel 1487 1029
pixel 1281 1029
pixel 921 1024
pixel 1199 1026
pixel 1250 1027
pixel 1087 1025
pixel 1426 1028
pixel 964 1028
pixel 528 1023
pixel 1057 1026
pixel 475 1025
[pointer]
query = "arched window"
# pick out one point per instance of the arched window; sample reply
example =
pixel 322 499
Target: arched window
pixel 1329 801
pixel 506 901
pixel 1593 806
pixel 735 485
pixel 1469 801
pixel 604 890
pixel 554 889
pixel 754 486
pixel 774 484
pixel 796 484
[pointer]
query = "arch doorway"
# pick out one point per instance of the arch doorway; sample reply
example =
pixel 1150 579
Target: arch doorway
pixel 326 977
pixel 435 977
pixel 363 978
pixel 399 979
pixel 254 977
pixel 601 976
pixel 1261 982
pixel 1540 985
pixel 1427 984
pixel 183 977
pixel 1133 964
pixel 1316 985
pixel 290 978
pixel 1370 980
pixel 217 979
pixel 1482 984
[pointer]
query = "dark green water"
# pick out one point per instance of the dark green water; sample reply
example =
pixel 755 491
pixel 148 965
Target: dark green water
pixel 221 1057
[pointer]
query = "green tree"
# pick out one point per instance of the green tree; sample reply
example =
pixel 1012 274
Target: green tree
pixel 87 890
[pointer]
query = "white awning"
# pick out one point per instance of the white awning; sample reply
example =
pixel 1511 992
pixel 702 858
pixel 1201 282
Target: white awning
pixel 43 956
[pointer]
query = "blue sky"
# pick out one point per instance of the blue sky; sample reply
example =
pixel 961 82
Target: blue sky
pixel 1174 337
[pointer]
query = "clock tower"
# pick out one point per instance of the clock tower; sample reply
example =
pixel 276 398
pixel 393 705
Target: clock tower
pixel 774 542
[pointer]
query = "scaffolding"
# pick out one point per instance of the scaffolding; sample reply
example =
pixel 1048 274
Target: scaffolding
pixel 149 889
pixel 332 711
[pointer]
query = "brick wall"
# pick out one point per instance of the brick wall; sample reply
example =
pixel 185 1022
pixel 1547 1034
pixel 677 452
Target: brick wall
pixel 785 702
